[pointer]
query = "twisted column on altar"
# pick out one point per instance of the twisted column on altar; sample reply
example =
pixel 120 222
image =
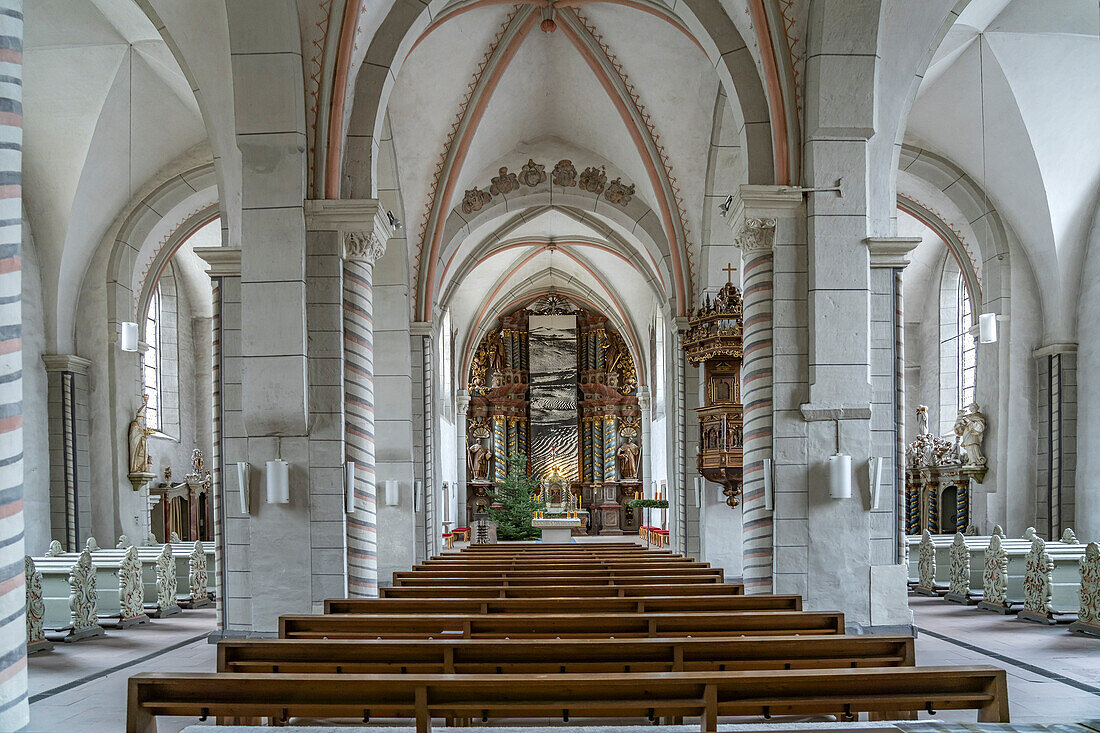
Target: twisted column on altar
pixel 361 250
pixel 756 240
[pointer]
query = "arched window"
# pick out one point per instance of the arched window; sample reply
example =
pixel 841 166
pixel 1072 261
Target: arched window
pixel 958 350
pixel 160 361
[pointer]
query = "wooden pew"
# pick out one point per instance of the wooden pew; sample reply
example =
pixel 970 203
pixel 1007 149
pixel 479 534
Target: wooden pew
pixel 565 591
pixel 535 574
pixel 554 562
pixel 498 581
pixel 1052 581
pixel 966 575
pixel 550 626
pixel 707 695
pixel 561 656
pixel 69 598
pixel 563 605
pixel 160 573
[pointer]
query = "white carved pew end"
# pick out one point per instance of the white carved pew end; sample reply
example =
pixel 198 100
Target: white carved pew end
pixel 167 604
pixel 36 610
pixel 1088 617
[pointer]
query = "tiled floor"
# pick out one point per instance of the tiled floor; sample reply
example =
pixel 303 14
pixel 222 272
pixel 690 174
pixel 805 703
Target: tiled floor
pixel 1036 692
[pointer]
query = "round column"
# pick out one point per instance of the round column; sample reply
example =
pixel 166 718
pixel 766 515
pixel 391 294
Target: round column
pixel 360 253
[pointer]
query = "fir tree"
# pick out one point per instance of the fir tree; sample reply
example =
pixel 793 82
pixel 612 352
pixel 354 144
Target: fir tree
pixel 518 503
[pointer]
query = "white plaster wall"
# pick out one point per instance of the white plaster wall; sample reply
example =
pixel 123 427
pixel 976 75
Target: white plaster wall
pixel 1088 395
pixel 36 438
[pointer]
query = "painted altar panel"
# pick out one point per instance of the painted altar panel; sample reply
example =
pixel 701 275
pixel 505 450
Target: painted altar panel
pixel 552 350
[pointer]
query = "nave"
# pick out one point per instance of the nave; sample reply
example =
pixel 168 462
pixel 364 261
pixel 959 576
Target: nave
pixel 584 647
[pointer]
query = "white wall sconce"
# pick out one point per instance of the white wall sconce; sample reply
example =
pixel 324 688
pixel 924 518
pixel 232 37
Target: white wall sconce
pixel 242 484
pixel 769 497
pixel 987 328
pixel 128 336
pixel 418 495
pixel 349 486
pixel 874 469
pixel 393 493
pixel 278 482
pixel 840 476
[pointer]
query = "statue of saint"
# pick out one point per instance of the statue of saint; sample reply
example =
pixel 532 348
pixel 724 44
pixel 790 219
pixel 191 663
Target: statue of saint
pixel 628 458
pixel 611 354
pixel 922 420
pixel 970 429
pixel 140 460
pixel 497 362
pixel 477 464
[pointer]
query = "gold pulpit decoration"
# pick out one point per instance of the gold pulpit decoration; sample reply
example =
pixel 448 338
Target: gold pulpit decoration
pixel 714 340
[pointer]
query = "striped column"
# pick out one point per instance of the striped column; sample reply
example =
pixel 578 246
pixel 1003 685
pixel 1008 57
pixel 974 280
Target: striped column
pixel 513 437
pixel 361 250
pixel 597 450
pixel 500 461
pixel 609 447
pixel 14 712
pixel 756 240
pixel 216 474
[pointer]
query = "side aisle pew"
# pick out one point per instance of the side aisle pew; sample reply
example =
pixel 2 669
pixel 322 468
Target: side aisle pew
pixel 561 656
pixel 708 695
pixel 1088 614
pixel 966 567
pixel 930 564
pixel 1054 583
pixel 66 598
pixel 563 605
pixel 158 573
pixel 551 626
pixel 570 591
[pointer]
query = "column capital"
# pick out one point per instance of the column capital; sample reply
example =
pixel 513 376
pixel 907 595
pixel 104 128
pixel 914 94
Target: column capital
pixel 420 328
pixel 892 252
pixel 462 401
pixel 643 398
pixel 66 363
pixel 755 201
pixel 363 225
pixel 1049 349
pixel 223 261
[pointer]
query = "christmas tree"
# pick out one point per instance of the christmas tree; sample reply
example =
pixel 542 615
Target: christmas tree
pixel 518 502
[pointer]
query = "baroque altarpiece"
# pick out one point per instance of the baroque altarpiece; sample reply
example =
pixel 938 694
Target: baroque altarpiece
pixel 556 382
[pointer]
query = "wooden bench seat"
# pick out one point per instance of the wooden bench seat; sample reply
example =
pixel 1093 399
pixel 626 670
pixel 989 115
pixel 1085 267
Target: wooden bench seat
pixel 542 626
pixel 560 656
pixel 575 571
pixel 499 581
pixel 551 563
pixel 707 695
pixel 563 605
pixel 564 591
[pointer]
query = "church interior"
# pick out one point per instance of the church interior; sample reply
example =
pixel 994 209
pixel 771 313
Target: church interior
pixel 709 364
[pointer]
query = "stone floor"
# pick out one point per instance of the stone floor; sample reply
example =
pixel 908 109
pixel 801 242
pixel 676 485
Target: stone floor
pixel 1053 675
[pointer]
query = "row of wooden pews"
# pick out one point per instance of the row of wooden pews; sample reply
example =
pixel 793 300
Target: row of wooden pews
pixel 460 650
pixel 73 593
pixel 1040 581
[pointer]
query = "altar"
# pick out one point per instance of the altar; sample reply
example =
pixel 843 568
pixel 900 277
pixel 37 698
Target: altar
pixel 556 530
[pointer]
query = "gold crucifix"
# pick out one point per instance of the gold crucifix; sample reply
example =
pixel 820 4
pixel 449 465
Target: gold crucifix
pixel 729 269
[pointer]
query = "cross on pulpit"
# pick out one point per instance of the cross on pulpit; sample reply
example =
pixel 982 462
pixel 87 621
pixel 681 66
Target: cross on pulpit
pixel 729 269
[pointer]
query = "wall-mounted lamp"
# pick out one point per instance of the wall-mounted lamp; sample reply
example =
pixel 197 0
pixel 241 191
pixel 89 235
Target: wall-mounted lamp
pixel 418 498
pixel 393 493
pixel 840 476
pixel 278 482
pixel 349 486
pixel 874 469
pixel 128 336
pixel 242 484
pixel 769 497
pixel 987 328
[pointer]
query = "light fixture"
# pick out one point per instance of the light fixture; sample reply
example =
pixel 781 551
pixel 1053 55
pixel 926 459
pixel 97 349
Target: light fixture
pixel 128 336
pixel 393 493
pixel 418 498
pixel 242 484
pixel 987 328
pixel 840 476
pixel 769 497
pixel 349 486
pixel 874 470
pixel 278 482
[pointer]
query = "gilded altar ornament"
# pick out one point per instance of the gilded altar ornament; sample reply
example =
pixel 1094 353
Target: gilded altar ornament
pixel 504 182
pixel 565 174
pixel 474 200
pixel 619 193
pixel 594 179
pixel 532 174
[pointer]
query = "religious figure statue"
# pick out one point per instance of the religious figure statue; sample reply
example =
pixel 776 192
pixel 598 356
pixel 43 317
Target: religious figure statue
pixel 922 420
pixel 628 458
pixel 611 354
pixel 477 463
pixel 497 362
pixel 140 460
pixel 970 428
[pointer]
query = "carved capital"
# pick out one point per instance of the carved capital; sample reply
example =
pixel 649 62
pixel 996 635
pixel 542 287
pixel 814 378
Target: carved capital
pixel 757 235
pixel 362 246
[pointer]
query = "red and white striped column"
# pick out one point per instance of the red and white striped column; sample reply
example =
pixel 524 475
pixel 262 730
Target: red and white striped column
pixel 361 251
pixel 14 711
pixel 756 240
